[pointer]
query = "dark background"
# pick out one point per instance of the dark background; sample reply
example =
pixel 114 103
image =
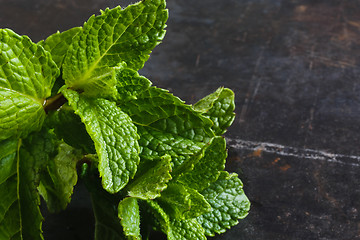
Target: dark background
pixel 294 67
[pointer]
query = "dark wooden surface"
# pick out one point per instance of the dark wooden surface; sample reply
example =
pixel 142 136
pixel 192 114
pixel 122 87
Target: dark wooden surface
pixel 294 66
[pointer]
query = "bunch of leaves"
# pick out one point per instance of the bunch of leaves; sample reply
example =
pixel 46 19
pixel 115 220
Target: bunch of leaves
pixel 75 103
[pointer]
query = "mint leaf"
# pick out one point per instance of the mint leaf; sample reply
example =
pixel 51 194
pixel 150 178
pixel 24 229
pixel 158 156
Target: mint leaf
pixel 27 74
pixel 114 37
pixel 10 223
pixel 128 212
pixel 188 164
pixel 130 84
pixel 175 200
pixel 20 216
pixel 34 154
pixel 150 183
pixel 25 67
pixel 161 110
pixel 105 207
pixel 219 107
pixel 107 224
pixel 186 229
pixel 19 114
pixel 181 202
pixel 68 126
pixel 207 169
pixel 167 126
pixel 58 44
pixel 228 201
pixel 60 177
pixel 176 229
pixel 114 135
pixel 161 219
pixel 156 143
pixel 198 204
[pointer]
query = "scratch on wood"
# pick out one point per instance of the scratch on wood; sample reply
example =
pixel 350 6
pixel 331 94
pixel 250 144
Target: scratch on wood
pixel 346 36
pixel 354 23
pixel 302 153
pixel 321 188
pixel 197 60
pixel 252 88
pixel 312 57
pixel 336 63
pixel 311 115
pixel 253 78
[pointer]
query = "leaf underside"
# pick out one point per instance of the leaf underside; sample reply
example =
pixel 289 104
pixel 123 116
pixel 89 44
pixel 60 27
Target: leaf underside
pixel 20 216
pixel 107 223
pixel 57 182
pixel 9 205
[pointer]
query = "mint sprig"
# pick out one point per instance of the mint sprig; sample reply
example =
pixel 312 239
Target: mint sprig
pixel 75 103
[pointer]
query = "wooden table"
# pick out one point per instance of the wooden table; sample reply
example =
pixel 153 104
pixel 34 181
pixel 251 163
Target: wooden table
pixel 294 66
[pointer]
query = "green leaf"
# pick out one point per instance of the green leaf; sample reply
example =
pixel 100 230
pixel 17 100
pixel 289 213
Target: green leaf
pixel 25 67
pixel 156 143
pixel 228 201
pixel 207 169
pixel 107 224
pixel 105 207
pixel 176 229
pixel 181 202
pixel 114 135
pixel 58 43
pixel 160 218
pixel 19 114
pixel 10 221
pixel 35 152
pixel 27 74
pixel 130 84
pixel 148 184
pixel 20 216
pixel 186 229
pixel 167 125
pixel 176 201
pixel 128 212
pixel 41 146
pixel 198 204
pixel 114 37
pixel 219 107
pixel 188 164
pixel 57 182
pixel 68 126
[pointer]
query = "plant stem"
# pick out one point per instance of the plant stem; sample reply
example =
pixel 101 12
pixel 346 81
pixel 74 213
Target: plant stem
pixel 54 102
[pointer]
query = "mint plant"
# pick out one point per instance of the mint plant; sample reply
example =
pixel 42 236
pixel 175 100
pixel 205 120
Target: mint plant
pixel 74 105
